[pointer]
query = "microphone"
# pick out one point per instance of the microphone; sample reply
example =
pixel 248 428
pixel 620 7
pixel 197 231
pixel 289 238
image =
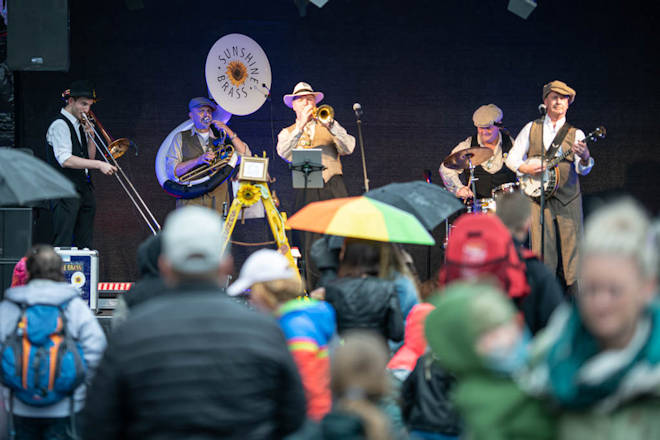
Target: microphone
pixel 216 132
pixel 542 109
pixel 357 108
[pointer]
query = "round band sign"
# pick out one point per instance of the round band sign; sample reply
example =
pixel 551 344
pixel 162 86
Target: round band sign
pixel 238 74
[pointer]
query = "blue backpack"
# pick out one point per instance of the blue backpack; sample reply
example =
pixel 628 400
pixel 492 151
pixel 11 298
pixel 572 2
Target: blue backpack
pixel 41 362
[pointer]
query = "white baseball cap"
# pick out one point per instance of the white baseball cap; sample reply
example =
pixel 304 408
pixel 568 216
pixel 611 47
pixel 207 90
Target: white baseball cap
pixel 263 265
pixel 192 239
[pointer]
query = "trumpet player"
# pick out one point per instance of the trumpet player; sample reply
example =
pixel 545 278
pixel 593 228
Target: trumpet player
pixel 193 148
pixel 324 133
pixel 72 150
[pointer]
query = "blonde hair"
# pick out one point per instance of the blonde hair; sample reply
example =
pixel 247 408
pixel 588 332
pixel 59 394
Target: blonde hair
pixel 359 379
pixel 283 290
pixel 622 228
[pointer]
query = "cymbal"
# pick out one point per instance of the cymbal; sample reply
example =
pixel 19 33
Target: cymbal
pixel 461 159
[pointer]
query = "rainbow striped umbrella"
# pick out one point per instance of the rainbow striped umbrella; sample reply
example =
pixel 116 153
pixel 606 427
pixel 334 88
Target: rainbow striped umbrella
pixel 361 217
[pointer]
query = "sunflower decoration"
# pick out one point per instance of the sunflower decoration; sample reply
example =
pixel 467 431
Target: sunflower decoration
pixel 237 73
pixel 248 194
pixel 78 279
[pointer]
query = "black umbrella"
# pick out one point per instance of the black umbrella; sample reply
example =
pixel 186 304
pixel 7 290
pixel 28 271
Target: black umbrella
pixel 24 179
pixel 430 203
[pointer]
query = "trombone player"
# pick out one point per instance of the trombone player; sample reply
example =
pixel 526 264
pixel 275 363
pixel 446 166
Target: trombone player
pixel 193 148
pixel 71 149
pixel 311 132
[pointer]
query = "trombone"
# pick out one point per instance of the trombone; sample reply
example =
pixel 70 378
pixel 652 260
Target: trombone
pixel 112 150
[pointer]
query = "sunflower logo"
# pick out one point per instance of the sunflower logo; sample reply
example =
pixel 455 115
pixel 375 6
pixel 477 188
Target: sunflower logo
pixel 237 73
pixel 248 194
pixel 78 279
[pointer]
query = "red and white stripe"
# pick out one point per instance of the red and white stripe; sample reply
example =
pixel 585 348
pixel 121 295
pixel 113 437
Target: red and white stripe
pixel 114 287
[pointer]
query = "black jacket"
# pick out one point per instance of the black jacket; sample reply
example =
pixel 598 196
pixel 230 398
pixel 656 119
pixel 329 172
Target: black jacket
pixel 150 283
pixel 367 303
pixel 425 394
pixel 194 364
pixel 544 296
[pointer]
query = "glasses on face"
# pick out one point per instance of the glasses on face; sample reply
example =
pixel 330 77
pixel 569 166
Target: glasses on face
pixel 590 291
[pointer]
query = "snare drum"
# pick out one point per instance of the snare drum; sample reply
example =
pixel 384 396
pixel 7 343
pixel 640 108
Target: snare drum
pixel 482 205
pixel 505 188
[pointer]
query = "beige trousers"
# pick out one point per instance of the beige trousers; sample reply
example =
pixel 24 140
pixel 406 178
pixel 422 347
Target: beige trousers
pixel 565 220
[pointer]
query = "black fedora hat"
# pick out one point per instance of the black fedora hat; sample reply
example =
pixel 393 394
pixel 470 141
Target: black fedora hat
pixel 82 89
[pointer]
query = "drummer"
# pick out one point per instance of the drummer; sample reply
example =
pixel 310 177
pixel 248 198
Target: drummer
pixel 491 173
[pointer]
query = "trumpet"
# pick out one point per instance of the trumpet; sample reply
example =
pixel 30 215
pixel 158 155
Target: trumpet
pixel 324 114
pixel 111 150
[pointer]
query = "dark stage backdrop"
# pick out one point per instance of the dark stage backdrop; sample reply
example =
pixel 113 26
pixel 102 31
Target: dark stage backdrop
pixel 419 69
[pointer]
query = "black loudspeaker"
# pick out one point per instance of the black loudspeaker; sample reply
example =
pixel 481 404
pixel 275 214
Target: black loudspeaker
pixel 6 271
pixel 38 35
pixel 15 240
pixel 15 232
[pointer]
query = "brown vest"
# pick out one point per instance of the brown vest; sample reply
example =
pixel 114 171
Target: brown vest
pixel 191 149
pixel 569 184
pixel 329 156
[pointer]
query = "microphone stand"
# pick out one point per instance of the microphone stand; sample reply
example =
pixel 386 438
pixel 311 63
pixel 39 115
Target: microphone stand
pixel 358 113
pixel 427 177
pixel 542 201
pixel 542 205
pixel 306 168
pixel 473 184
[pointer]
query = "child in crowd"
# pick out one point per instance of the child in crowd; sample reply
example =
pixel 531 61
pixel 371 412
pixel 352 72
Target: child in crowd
pixel 308 325
pixel 475 335
pixel 359 382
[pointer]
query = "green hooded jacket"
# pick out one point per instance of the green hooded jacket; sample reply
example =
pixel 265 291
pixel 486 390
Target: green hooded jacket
pixel 492 405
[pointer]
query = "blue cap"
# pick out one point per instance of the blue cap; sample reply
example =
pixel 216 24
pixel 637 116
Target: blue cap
pixel 200 102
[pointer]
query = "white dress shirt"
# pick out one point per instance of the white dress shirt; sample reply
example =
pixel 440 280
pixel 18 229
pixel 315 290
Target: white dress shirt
pixel 518 153
pixel 59 137
pixel 288 140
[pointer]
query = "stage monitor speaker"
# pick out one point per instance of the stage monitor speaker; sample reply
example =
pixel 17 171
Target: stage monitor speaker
pixel 6 272
pixel 15 232
pixel 38 35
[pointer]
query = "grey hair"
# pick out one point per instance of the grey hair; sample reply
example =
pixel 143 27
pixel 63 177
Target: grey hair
pixel 623 228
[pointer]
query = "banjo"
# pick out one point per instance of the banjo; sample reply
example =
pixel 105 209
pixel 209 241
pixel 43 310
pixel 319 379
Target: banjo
pixel 530 185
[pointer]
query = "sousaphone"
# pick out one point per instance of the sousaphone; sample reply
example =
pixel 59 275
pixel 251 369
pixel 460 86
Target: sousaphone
pixel 238 78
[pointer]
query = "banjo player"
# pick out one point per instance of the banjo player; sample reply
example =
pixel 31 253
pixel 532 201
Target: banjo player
pixel 552 135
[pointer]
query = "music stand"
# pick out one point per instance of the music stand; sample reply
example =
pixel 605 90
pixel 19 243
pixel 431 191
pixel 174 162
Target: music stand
pixel 307 168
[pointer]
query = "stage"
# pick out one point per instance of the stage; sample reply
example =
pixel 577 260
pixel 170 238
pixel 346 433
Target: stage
pixel 419 70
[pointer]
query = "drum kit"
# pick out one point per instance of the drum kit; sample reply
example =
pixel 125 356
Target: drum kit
pixel 469 159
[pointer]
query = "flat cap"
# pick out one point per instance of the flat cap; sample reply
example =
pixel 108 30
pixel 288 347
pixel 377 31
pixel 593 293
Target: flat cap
pixel 561 88
pixel 201 102
pixel 487 115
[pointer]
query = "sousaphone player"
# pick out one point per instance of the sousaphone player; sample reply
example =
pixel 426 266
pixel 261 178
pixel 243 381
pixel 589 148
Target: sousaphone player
pixel 194 148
